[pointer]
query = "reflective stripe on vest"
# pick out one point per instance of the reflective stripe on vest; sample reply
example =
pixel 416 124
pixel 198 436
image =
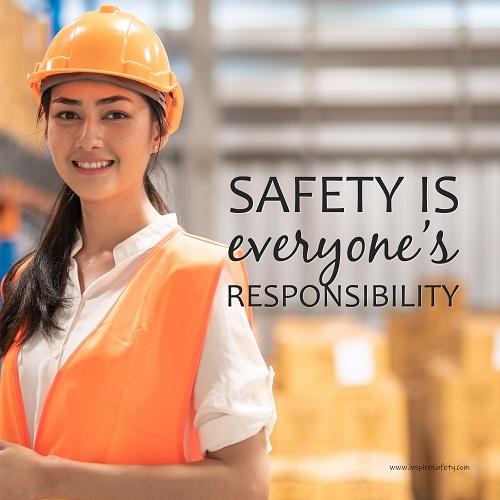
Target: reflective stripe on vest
pixel 124 394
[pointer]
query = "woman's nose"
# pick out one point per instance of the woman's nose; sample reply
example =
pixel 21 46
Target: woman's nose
pixel 89 134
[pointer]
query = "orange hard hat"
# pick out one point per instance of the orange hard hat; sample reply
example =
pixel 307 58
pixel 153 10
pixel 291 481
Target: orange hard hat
pixel 110 42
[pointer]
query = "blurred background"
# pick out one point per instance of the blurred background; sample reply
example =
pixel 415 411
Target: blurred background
pixel 326 87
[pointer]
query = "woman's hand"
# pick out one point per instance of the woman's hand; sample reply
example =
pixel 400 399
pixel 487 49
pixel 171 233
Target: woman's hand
pixel 21 472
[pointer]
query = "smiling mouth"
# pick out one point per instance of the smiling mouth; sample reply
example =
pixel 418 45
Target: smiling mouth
pixel 92 165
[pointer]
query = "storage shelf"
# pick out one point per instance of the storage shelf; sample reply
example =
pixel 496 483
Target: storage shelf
pixel 349 137
pixel 358 87
pixel 351 38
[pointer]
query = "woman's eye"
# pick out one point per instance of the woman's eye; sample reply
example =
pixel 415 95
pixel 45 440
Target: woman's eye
pixel 120 117
pixel 60 115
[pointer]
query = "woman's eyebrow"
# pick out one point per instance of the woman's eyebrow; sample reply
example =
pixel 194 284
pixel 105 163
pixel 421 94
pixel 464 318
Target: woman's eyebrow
pixel 100 102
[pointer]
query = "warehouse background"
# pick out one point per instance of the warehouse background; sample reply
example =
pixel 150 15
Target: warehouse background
pixel 313 88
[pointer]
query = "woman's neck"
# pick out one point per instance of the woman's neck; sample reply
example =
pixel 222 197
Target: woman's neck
pixel 104 225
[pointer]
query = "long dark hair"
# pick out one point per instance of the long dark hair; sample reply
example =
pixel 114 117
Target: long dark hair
pixel 38 292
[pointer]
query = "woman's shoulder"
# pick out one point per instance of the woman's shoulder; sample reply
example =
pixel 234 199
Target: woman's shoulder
pixel 195 250
pixel 203 241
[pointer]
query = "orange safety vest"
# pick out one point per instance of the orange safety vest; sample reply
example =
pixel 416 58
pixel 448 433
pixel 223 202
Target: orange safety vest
pixel 125 393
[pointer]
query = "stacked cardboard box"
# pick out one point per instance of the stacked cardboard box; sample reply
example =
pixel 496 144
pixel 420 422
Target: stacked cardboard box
pixel 489 483
pixel 335 395
pixel 415 339
pixel 348 475
pixel 23 43
pixel 305 352
pixel 464 409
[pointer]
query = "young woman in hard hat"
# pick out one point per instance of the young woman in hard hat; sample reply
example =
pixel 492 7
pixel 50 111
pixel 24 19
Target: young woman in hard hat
pixel 125 374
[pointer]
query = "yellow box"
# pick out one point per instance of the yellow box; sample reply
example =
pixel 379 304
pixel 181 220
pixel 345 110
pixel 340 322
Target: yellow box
pixel 341 418
pixel 441 302
pixel 457 484
pixel 341 476
pixel 463 411
pixel 480 344
pixel 307 358
pixel 293 489
pixel 364 490
pixel 371 417
pixel 20 50
pixel 489 480
pixel 291 480
pixel 304 424
pixel 416 338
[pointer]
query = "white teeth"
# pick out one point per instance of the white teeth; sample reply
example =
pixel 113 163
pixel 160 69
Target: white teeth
pixel 93 165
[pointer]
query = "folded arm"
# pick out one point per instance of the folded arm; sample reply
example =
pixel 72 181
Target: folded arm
pixel 239 471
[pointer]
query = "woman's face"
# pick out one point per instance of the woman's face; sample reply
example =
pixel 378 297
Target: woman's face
pixel 95 123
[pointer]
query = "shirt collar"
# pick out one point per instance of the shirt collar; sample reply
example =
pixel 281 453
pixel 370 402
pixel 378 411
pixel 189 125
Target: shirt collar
pixel 137 243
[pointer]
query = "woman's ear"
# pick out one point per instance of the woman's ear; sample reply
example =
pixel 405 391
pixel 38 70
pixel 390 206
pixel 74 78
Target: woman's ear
pixel 159 139
pixel 164 140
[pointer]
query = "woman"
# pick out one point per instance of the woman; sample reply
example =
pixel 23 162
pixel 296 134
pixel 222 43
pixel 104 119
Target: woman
pixel 125 374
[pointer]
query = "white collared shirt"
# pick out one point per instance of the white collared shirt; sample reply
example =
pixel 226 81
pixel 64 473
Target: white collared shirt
pixel 232 396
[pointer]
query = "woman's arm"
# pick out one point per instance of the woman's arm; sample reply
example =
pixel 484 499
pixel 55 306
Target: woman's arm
pixel 239 471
